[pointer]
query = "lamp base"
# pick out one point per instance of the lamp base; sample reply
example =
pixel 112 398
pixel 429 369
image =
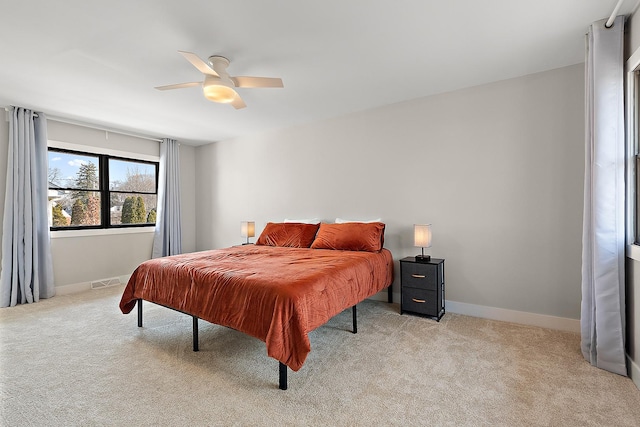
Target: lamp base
pixel 423 258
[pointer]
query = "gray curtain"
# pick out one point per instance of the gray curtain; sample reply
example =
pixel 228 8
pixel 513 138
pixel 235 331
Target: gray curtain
pixel 602 318
pixel 168 236
pixel 27 271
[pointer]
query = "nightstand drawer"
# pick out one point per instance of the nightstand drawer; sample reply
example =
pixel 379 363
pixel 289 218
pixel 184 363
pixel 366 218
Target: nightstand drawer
pixel 420 301
pixel 423 276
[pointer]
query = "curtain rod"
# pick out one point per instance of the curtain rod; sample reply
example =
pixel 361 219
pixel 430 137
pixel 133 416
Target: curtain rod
pixel 71 122
pixel 612 18
pixel 104 129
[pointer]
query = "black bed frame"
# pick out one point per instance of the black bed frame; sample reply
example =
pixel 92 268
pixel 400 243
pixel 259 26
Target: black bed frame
pixel 283 368
pixel 282 382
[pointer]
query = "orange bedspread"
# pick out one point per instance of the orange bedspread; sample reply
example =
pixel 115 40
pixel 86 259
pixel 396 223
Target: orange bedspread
pixel 276 294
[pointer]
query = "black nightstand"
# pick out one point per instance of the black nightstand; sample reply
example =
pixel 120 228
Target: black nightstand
pixel 422 287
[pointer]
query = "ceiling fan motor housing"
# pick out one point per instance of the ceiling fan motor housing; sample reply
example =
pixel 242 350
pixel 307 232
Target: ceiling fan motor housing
pixel 219 64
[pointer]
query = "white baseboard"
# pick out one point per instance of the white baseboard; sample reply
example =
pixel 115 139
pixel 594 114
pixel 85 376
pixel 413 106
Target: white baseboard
pixel 84 286
pixel 633 370
pixel 485 312
pixel 521 317
pixel 73 288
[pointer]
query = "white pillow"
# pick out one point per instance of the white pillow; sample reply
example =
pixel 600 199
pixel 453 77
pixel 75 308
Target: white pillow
pixel 304 221
pixel 342 220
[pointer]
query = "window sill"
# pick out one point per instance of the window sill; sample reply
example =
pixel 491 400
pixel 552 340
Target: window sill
pixel 59 234
pixel 633 252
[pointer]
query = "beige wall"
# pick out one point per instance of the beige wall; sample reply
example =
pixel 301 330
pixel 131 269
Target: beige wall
pixel 497 169
pixel 78 260
pixel 633 266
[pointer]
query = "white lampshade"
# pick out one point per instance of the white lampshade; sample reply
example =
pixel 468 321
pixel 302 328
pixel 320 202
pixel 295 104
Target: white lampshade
pixel 422 235
pixel 247 229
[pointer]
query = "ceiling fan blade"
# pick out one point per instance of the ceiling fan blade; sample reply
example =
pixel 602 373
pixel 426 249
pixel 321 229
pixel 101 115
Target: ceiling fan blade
pixel 238 103
pixel 198 63
pixel 178 86
pixel 257 82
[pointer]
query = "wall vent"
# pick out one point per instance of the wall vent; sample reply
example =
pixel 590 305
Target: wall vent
pixel 105 283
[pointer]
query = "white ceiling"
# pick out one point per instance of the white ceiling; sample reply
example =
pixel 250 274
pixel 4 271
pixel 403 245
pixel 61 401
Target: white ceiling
pixel 98 61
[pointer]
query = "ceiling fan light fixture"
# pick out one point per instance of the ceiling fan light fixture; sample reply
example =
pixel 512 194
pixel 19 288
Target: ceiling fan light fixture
pixel 219 92
pixel 218 85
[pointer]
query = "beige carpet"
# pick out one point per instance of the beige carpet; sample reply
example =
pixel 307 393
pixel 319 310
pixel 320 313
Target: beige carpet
pixel 76 360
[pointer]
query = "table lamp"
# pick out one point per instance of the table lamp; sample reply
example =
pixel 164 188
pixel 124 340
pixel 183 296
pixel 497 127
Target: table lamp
pixel 422 239
pixel 247 229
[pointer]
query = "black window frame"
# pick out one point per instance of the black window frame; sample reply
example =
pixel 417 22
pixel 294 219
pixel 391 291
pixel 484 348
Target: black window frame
pixel 634 147
pixel 104 190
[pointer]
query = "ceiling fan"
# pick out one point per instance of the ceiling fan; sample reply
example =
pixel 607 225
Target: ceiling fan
pixel 218 85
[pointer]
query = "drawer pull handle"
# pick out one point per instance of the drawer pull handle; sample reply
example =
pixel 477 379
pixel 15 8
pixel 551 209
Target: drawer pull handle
pixel 418 300
pixel 418 276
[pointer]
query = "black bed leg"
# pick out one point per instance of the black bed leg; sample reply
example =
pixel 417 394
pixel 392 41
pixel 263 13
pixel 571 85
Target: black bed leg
pixel 390 294
pixel 195 334
pixel 283 376
pixel 139 304
pixel 355 320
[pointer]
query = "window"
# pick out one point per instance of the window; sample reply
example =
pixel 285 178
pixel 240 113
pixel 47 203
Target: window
pixel 88 190
pixel 633 158
pixel 633 151
pixel 632 119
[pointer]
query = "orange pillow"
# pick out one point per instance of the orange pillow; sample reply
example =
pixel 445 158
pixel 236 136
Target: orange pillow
pixel 350 236
pixel 290 234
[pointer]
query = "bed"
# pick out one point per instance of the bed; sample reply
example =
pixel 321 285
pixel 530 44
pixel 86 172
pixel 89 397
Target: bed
pixel 293 280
